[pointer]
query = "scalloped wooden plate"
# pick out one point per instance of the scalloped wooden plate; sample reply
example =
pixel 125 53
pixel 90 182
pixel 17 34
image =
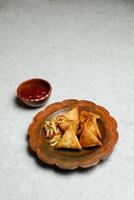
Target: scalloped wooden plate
pixel 68 159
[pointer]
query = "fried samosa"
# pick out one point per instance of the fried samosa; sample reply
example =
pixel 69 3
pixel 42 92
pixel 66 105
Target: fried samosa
pixel 75 125
pixel 84 115
pixel 94 119
pixel 88 137
pixel 69 140
pixel 72 114
pixel 63 122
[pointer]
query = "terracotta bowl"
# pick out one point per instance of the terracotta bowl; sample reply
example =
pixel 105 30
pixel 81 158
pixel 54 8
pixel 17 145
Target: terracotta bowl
pixel 34 92
pixel 73 159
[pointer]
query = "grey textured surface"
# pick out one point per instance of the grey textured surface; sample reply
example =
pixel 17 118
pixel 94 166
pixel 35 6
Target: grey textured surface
pixel 86 50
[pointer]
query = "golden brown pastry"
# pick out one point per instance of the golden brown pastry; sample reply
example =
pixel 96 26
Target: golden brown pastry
pixel 69 140
pixel 89 134
pixel 94 119
pixel 75 125
pixel 73 114
pixel 84 115
pixel 63 122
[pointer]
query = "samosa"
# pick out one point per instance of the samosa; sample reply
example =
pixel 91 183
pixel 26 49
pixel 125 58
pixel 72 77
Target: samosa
pixel 63 122
pixel 73 116
pixel 89 134
pixel 94 119
pixel 69 140
pixel 84 115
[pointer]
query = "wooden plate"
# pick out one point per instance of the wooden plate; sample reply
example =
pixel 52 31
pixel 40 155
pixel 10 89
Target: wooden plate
pixel 67 159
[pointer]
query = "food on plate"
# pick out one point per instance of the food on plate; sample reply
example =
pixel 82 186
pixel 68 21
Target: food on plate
pixel 88 136
pixel 94 121
pixel 75 129
pixel 54 140
pixel 62 122
pixel 84 115
pixel 51 129
pixel 73 114
pixel 69 140
pixel 75 125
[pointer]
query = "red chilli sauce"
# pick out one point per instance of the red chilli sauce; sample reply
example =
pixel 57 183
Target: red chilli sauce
pixel 35 91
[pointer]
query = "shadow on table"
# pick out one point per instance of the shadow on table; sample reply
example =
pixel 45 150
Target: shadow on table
pixel 58 170
pixel 20 104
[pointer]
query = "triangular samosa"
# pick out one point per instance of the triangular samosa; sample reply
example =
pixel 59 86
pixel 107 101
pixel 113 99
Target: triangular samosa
pixel 72 114
pixel 75 125
pixel 69 140
pixel 85 115
pixel 88 136
pixel 94 119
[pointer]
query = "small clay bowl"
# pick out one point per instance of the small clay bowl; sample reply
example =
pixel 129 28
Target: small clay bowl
pixel 34 92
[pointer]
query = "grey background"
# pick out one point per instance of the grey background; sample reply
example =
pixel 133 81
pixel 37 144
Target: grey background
pixel 86 50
